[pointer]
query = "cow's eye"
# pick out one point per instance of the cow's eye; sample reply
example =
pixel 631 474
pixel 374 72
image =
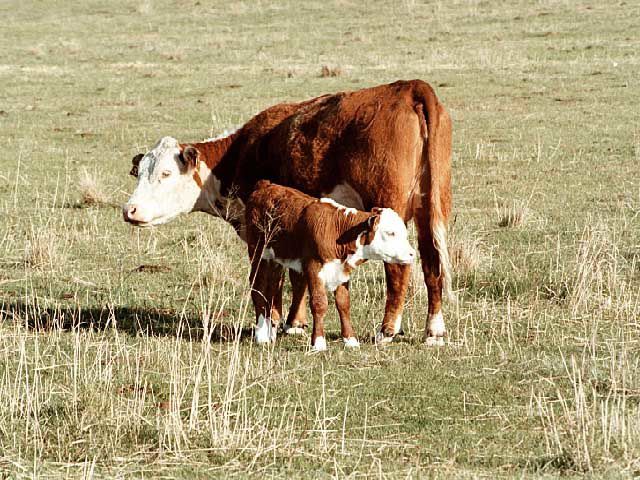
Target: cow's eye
pixel 391 234
pixel 165 174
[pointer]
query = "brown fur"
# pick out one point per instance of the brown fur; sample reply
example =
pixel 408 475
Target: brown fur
pixel 299 227
pixel 391 143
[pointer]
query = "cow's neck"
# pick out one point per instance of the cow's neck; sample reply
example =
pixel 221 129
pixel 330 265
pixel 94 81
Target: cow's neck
pixel 218 198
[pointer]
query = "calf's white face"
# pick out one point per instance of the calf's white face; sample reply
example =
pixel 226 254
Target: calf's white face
pixel 390 239
pixel 166 186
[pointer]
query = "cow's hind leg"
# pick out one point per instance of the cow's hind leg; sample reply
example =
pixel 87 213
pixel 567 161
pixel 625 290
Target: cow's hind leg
pixel 397 277
pixel 435 330
pixel 343 304
pixel 297 317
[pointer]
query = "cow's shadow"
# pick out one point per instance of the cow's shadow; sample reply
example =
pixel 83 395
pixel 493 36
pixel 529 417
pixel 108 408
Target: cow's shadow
pixel 135 321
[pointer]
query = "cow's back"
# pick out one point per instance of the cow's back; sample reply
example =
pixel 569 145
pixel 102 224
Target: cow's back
pixel 369 139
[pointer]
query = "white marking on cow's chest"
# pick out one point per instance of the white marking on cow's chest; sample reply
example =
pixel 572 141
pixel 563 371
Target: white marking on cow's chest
pixel 333 274
pixel 290 263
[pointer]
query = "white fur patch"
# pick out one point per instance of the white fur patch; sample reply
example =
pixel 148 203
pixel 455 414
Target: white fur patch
pixel 341 208
pixel 344 194
pixel 397 325
pixel 435 331
pixel 351 342
pixel 333 275
pixel 320 345
pixel 265 332
pixel 291 263
pixel 390 241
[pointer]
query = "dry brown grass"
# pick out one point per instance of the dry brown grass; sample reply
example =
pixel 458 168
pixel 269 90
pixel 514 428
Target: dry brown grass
pixel 91 192
pixel 466 253
pixel 327 71
pixel 515 215
pixel 42 250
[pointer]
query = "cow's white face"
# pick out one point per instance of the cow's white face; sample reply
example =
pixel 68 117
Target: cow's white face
pixel 166 185
pixel 390 239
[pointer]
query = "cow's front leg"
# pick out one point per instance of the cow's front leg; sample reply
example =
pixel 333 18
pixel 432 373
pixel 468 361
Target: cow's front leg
pixel 297 317
pixel 343 304
pixel 397 277
pixel 319 304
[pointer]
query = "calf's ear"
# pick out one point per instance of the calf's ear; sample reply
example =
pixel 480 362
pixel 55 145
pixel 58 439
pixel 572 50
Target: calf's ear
pixel 136 162
pixel 189 157
pixel 373 222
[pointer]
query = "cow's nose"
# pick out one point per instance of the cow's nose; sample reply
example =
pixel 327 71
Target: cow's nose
pixel 129 211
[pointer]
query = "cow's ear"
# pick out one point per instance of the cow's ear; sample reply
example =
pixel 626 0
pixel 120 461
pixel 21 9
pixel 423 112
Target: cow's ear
pixel 136 163
pixel 189 157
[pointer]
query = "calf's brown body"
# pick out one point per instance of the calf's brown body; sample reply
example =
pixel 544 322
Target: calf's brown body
pixel 285 226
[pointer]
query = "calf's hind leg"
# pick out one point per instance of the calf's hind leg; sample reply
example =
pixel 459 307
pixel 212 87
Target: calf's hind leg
pixel 297 317
pixel 343 304
pixel 266 291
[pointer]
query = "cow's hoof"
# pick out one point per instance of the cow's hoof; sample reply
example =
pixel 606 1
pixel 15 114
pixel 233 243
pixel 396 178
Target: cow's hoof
pixel 320 345
pixel 382 339
pixel 293 330
pixel 351 342
pixel 434 341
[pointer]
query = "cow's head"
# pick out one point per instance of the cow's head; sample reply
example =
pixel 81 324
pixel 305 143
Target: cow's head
pixel 387 239
pixel 168 184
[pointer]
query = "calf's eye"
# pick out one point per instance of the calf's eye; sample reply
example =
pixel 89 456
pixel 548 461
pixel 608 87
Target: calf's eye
pixel 165 174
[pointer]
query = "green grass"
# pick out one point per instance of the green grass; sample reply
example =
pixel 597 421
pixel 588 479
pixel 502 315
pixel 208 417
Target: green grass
pixel 108 369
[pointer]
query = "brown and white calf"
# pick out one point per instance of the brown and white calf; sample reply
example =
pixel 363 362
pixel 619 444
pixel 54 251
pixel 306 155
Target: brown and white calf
pixel 385 146
pixel 322 240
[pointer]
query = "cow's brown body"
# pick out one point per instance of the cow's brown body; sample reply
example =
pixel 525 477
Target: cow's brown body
pixel 390 144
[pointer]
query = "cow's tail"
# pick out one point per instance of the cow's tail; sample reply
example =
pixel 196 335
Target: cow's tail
pixel 435 178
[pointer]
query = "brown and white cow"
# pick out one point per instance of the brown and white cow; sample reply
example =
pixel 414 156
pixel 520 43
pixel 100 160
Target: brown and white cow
pixel 387 146
pixel 322 240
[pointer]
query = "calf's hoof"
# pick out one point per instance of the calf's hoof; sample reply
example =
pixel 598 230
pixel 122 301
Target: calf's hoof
pixel 351 342
pixel 265 332
pixel 320 345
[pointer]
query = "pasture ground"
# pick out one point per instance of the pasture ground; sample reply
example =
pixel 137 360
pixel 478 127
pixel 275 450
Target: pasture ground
pixel 119 348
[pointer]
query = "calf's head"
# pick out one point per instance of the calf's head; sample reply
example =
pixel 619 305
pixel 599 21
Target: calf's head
pixel 387 239
pixel 167 184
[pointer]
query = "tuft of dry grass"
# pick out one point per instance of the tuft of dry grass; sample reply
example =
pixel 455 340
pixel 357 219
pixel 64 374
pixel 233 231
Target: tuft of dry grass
pixel 327 71
pixel 515 215
pixel 91 192
pixel 42 250
pixel 466 253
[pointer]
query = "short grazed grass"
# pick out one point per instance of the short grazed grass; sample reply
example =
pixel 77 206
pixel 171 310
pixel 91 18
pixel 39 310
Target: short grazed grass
pixel 128 353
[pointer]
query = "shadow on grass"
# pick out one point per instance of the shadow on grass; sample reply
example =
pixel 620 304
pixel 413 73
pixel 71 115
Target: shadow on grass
pixel 130 320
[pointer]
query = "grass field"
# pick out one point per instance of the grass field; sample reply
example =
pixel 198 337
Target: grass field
pixel 127 353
